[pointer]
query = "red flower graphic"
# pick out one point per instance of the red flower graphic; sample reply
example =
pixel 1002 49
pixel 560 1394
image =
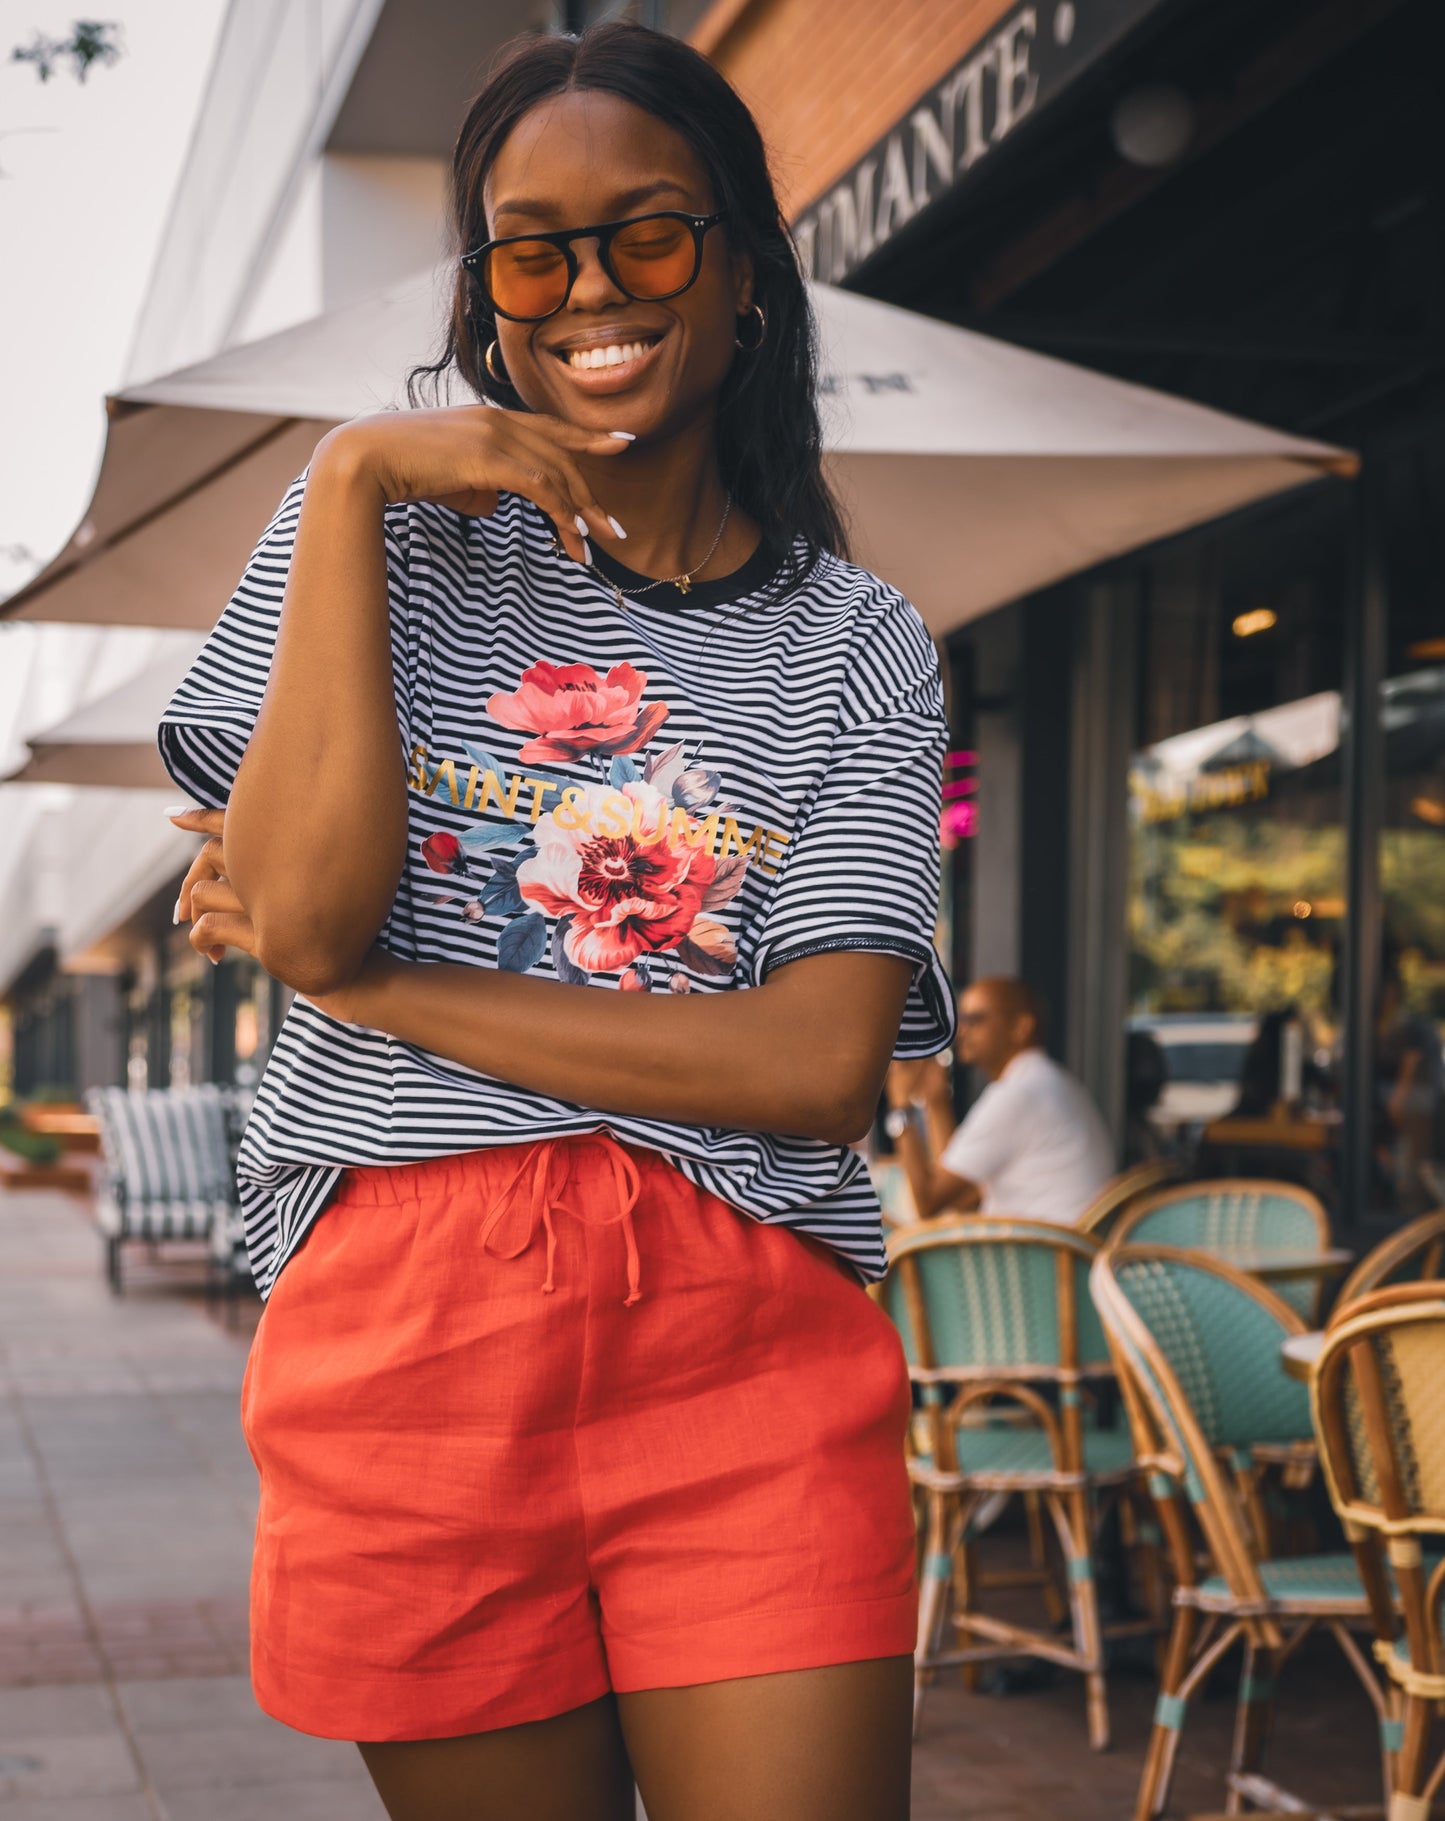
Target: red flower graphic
pixel 575 713
pixel 629 885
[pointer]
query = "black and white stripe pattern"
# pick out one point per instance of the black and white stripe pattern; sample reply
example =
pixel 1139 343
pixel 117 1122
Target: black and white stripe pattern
pixel 822 717
pixel 168 1166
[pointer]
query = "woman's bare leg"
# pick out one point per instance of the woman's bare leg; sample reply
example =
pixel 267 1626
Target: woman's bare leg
pixel 572 1767
pixel 830 1744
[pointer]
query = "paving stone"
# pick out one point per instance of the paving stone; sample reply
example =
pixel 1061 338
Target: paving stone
pixel 98 1764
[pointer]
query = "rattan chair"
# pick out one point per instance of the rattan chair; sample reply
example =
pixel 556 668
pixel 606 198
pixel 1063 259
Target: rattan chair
pixel 1381 1425
pixel 1197 1346
pixel 1415 1253
pixel 1237 1218
pixel 995 1315
pixel 1120 1191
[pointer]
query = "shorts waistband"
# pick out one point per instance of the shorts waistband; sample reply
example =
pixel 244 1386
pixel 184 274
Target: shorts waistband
pixel 526 1179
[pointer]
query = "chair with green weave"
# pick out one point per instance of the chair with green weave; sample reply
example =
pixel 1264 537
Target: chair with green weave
pixel 1253 1223
pixel 1121 1192
pixel 1381 1426
pixel 1197 1344
pixel 997 1323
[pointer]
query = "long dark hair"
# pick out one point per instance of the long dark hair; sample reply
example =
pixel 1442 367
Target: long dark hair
pixel 769 439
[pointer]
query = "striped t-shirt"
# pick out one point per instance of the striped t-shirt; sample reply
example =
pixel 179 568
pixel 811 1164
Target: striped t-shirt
pixel 668 793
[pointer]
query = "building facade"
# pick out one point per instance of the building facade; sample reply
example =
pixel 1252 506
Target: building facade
pixel 1209 807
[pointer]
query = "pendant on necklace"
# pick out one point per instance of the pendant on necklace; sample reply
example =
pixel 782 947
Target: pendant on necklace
pixel 618 592
pixel 684 584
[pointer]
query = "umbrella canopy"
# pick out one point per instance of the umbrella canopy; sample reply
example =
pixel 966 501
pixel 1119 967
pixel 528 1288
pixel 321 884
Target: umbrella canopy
pixel 112 739
pixel 973 471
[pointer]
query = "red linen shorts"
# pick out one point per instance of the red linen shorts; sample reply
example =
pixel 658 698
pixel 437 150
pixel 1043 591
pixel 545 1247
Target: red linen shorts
pixel 542 1421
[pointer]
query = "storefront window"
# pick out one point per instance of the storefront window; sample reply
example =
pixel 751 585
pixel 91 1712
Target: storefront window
pixel 1407 1137
pixel 1237 850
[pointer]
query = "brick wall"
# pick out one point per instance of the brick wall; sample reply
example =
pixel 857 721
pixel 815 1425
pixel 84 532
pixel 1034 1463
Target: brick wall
pixel 825 78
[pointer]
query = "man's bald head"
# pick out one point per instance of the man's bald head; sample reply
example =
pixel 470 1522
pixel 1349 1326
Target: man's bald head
pixel 999 1017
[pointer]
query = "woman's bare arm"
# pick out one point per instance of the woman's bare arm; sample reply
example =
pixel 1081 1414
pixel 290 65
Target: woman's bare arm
pixel 316 823
pixel 803 1054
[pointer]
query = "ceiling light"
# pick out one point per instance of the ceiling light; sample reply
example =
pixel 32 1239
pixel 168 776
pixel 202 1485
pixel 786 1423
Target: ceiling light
pixel 1258 619
pixel 1429 809
pixel 1152 124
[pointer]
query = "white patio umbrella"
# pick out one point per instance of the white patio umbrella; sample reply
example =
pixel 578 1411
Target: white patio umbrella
pixel 112 739
pixel 974 471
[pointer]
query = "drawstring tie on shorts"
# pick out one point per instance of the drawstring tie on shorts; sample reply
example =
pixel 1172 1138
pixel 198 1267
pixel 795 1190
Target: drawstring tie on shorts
pixel 545 1200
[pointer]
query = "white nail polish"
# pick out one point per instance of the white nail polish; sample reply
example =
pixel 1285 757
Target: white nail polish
pixel 586 551
pixel 176 913
pixel 623 436
pixel 179 809
pixel 581 525
pixel 617 530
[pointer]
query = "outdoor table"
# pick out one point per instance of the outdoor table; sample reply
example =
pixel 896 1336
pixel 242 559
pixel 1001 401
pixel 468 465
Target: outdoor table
pixel 1299 1354
pixel 1284 1134
pixel 1278 1265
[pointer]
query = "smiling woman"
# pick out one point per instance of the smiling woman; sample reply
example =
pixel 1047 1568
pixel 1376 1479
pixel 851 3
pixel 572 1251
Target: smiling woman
pixel 609 891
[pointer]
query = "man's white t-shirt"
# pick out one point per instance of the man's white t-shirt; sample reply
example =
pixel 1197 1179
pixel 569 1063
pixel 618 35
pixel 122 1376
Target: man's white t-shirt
pixel 1034 1143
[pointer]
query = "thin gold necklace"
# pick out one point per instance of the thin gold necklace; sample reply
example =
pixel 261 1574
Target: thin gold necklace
pixel 683 581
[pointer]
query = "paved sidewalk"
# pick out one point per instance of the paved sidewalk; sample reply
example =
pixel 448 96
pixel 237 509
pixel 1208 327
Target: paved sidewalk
pixel 127 1501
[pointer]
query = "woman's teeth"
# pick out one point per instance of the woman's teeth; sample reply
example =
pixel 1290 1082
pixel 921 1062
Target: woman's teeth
pixel 614 354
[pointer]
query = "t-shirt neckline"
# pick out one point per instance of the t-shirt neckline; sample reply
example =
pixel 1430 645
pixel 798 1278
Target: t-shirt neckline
pixel 747 578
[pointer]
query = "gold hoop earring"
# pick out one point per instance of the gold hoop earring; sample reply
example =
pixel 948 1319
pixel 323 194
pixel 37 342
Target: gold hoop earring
pixel 500 378
pixel 751 347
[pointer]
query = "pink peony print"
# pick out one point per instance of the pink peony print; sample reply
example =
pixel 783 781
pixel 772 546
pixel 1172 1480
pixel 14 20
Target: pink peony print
pixel 576 714
pixel 615 867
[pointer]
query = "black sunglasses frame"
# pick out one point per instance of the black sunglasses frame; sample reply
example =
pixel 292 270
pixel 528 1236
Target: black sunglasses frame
pixel 602 232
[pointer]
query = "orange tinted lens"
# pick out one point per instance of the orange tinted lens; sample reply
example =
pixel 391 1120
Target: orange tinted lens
pixel 527 278
pixel 653 258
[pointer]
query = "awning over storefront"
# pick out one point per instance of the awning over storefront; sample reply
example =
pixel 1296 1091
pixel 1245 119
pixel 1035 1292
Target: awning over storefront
pixel 974 471
pixel 112 739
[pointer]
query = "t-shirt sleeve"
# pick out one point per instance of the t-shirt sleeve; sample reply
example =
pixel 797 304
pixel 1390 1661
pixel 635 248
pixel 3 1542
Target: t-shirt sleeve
pixel 208 722
pixel 862 870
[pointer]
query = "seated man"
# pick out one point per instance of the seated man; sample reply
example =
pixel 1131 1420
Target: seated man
pixel 1032 1144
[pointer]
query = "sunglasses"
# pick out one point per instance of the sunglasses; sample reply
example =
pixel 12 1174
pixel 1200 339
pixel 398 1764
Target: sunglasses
pixel 529 277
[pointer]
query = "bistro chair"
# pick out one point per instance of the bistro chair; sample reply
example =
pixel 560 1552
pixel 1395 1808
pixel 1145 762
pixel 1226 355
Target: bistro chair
pixel 1270 1229
pixel 168 1171
pixel 1415 1252
pixel 996 1319
pixel 1377 1408
pixel 1119 1191
pixel 1197 1346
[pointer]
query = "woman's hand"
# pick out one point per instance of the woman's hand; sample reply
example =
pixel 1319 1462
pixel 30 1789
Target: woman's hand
pixel 207 899
pixel 463 456
pixel 219 921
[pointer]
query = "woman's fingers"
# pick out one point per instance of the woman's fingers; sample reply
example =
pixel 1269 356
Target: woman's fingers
pixel 209 864
pixel 537 472
pixel 214 895
pixel 562 443
pixel 214 931
pixel 198 821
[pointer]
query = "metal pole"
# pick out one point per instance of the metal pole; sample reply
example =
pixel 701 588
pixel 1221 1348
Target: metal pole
pixel 1364 788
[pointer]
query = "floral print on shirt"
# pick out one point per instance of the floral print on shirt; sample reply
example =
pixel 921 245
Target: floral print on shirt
pixel 617 877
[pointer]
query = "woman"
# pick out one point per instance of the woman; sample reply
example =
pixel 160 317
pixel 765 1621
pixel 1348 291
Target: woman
pixel 526 1533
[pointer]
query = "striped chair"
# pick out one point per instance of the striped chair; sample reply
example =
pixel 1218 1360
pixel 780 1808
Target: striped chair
pixel 1244 1220
pixel 168 1172
pixel 1381 1427
pixel 996 1320
pixel 1197 1344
